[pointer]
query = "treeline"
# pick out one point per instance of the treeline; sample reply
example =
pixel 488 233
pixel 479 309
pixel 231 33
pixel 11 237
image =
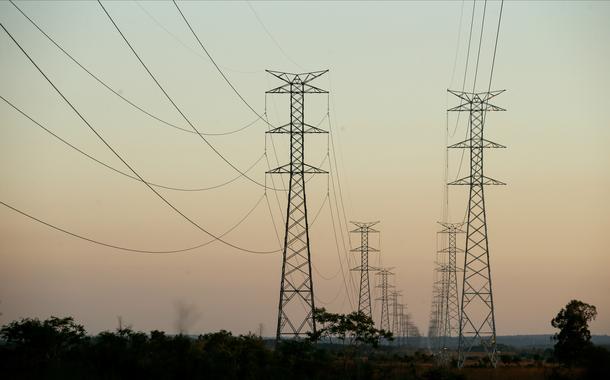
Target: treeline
pixel 59 348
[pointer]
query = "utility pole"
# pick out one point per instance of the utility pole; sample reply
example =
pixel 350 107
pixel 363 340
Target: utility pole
pixel 296 306
pixel 384 321
pixel 477 319
pixel 364 300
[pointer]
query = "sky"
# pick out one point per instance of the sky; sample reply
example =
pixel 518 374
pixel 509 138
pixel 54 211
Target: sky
pixel 390 66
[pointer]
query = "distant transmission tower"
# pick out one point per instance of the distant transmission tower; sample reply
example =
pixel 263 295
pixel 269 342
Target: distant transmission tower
pixel 395 313
pixel 295 314
pixel 477 319
pixel 412 333
pixel 364 300
pixel 436 314
pixel 402 322
pixel 384 321
pixel 450 292
pixel 441 299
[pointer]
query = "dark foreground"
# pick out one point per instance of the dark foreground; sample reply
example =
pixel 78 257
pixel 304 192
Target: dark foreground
pixel 60 349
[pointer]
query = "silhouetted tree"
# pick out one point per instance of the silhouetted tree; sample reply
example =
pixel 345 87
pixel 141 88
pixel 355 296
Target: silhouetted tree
pixel 574 338
pixel 354 328
pixel 37 346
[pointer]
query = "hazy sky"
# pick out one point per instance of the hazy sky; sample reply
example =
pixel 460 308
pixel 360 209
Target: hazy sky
pixel 390 65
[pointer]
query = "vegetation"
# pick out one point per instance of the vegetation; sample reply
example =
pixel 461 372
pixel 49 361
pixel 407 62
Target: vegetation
pixel 59 348
pixel 354 328
pixel 345 347
pixel 573 347
pixel 574 337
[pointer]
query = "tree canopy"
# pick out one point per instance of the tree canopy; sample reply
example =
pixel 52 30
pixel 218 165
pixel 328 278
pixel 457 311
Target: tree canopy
pixel 354 328
pixel 574 338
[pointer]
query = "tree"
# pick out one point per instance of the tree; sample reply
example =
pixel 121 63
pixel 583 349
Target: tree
pixel 32 347
pixel 574 338
pixel 355 328
pixel 48 338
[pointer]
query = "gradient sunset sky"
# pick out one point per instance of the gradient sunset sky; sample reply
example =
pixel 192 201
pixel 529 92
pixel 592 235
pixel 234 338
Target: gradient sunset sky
pixel 390 66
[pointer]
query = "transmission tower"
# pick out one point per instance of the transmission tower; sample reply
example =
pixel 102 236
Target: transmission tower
pixel 395 312
pixel 434 327
pixel 412 333
pixel 364 300
pixel 449 285
pixel 296 306
pixel 403 318
pixel 384 321
pixel 477 320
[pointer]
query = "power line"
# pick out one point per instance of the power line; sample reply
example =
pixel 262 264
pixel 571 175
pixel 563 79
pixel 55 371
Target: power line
pixel 347 288
pixel 489 86
pixel 174 103
pixel 493 61
pixel 271 36
pixel 160 25
pixel 464 87
pixel 120 171
pixel 332 142
pixel 218 67
pixel 122 248
pixel 457 47
pixel 476 71
pixel 474 3
pixel 328 278
pixel 224 76
pixel 331 301
pixel 122 159
pixel 340 199
pixel 337 200
pixel 115 92
pixel 261 117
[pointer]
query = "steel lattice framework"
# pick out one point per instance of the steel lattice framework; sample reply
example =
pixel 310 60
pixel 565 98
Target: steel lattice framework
pixel 477 319
pixel 384 321
pixel 448 296
pixel 395 312
pixel 296 306
pixel 402 325
pixel 433 325
pixel 364 299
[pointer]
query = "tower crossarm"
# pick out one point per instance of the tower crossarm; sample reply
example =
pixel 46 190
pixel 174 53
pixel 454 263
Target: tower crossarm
pixel 307 128
pixel 292 77
pixel 289 169
pixel 484 181
pixel 367 249
pixel 451 228
pixel 476 97
pixel 466 145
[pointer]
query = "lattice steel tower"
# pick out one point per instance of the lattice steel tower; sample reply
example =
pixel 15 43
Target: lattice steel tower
pixel 364 299
pixel 395 315
pixel 477 320
pixel 296 306
pixel 434 323
pixel 384 321
pixel 449 285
